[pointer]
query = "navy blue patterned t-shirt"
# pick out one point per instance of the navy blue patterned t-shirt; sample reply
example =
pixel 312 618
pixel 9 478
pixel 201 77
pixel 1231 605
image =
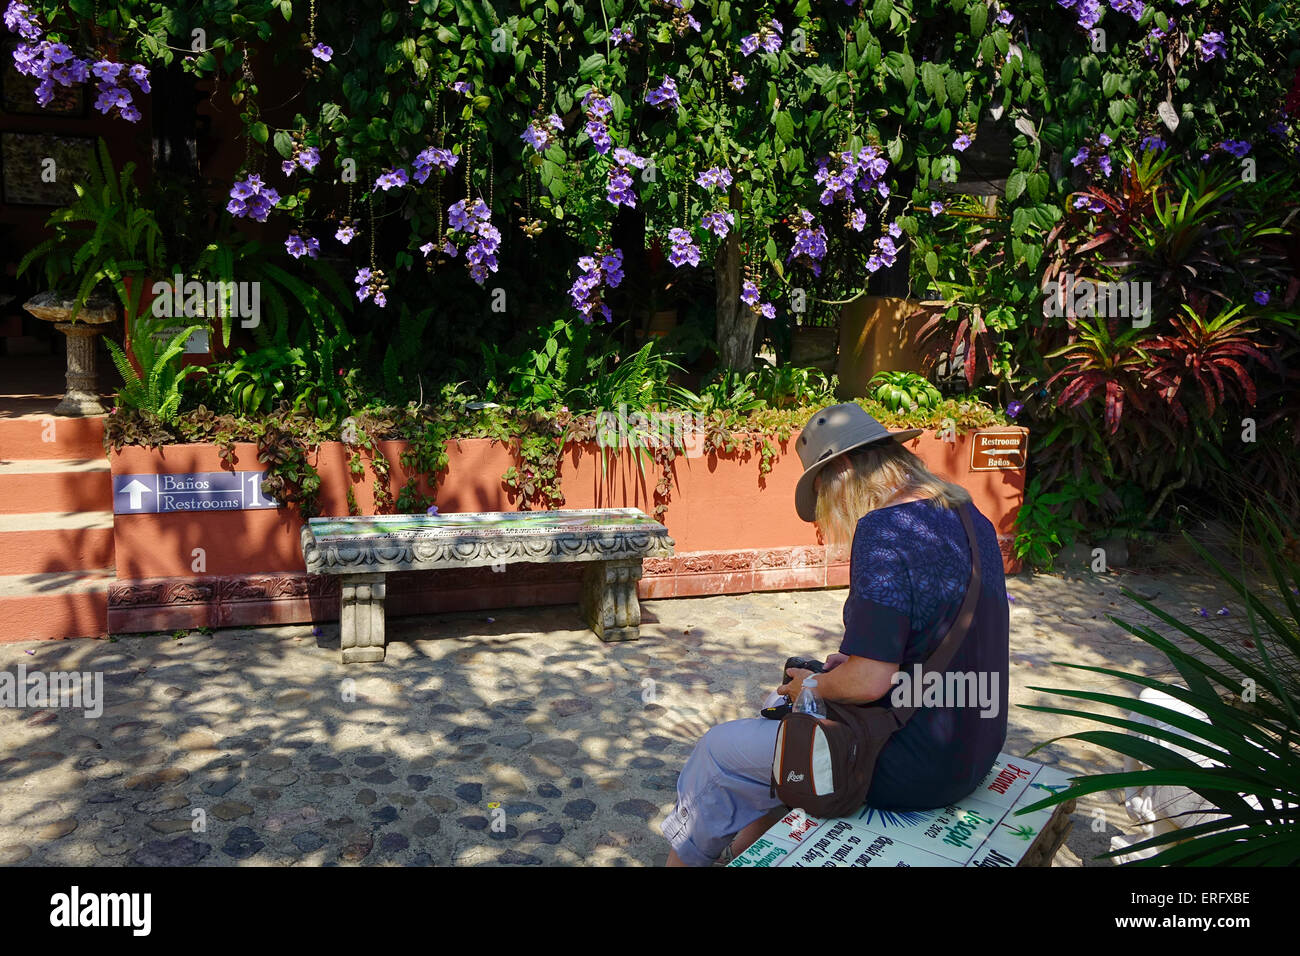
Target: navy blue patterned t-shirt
pixel 909 570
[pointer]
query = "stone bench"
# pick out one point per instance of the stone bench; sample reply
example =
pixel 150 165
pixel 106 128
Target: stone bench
pixel 983 829
pixel 362 550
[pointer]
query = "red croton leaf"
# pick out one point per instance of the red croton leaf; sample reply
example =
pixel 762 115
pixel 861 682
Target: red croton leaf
pixel 1215 374
pixel 1247 383
pixel 1114 405
pixel 1207 391
pixel 1080 390
pixel 1095 243
pixel 926 327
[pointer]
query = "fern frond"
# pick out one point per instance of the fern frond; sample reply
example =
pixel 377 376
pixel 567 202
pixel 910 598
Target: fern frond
pixel 130 378
pixel 273 306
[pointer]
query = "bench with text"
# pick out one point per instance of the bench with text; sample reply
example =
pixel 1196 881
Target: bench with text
pixel 982 829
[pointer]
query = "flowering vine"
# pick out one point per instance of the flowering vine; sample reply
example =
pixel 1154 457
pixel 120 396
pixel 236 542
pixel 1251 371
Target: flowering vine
pixel 599 272
pixel 52 63
pixel 769 38
pixel 598 109
pixel 252 199
pixel 471 224
pixel 371 284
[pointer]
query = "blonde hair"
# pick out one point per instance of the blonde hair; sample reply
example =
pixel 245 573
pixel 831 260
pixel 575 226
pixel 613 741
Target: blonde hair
pixel 862 480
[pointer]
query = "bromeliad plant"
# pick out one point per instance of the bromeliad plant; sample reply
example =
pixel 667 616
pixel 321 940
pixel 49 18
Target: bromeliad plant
pixel 1154 400
pixel 1209 357
pixel 903 390
pixel 1106 362
pixel 1151 408
pixel 1191 235
pixel 1250 696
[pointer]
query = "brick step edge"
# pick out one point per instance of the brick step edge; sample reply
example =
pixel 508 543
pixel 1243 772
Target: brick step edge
pixel 252 600
pixel 43 436
pixel 46 550
pixel 54 616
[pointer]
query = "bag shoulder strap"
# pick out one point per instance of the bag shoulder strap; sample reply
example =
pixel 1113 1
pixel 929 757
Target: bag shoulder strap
pixel 942 655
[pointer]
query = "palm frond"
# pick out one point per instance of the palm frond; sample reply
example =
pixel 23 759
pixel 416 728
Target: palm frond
pixel 1249 769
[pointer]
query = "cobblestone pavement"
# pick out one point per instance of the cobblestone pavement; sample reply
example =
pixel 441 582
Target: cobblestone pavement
pixel 251 747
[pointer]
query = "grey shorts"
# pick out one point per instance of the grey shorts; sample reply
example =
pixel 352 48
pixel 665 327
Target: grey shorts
pixel 724 787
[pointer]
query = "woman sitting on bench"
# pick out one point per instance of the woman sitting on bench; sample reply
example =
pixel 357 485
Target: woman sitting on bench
pixel 910 565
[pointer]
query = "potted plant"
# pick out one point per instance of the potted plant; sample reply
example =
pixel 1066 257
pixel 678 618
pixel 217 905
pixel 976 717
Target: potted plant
pixel 876 334
pixel 101 241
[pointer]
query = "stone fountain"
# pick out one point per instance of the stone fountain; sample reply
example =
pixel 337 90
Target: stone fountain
pixel 82 395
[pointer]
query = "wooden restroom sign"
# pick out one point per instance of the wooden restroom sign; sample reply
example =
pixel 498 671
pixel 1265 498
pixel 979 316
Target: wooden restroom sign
pixel 999 450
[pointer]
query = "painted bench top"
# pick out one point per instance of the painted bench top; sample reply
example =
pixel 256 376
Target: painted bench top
pixel 979 830
pixel 402 542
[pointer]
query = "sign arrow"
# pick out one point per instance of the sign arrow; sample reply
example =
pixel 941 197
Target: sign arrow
pixel 134 489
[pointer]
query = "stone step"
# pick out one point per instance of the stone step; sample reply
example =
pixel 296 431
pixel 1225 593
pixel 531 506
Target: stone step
pixel 54 605
pixel 44 435
pixel 35 485
pixel 55 541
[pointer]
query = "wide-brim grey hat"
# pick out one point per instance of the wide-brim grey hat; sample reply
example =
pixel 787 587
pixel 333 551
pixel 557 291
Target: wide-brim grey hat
pixel 834 431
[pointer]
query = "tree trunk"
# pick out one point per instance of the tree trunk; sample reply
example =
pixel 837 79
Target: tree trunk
pixel 736 321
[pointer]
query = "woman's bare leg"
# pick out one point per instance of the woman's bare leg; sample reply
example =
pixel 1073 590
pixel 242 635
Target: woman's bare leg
pixel 726 778
pixel 747 836
pixel 743 839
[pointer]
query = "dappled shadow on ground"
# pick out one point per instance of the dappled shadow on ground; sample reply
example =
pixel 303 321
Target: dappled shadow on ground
pixel 508 737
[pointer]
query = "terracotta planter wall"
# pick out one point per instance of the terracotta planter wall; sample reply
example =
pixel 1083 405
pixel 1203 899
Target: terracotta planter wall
pixel 735 531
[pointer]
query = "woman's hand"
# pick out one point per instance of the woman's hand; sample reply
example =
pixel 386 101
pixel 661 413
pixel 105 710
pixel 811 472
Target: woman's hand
pixel 857 680
pixel 794 685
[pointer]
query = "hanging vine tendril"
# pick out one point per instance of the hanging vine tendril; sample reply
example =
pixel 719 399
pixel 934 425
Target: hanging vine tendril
pixel 246 73
pixel 371 205
pixel 468 163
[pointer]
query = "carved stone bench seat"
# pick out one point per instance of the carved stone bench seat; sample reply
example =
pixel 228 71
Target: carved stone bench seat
pixel 362 550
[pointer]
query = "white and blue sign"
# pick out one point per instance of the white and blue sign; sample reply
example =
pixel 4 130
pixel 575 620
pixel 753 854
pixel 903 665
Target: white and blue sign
pixel 197 492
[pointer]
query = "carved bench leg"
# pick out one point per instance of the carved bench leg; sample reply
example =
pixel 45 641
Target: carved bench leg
pixel 1051 837
pixel 609 602
pixel 361 618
